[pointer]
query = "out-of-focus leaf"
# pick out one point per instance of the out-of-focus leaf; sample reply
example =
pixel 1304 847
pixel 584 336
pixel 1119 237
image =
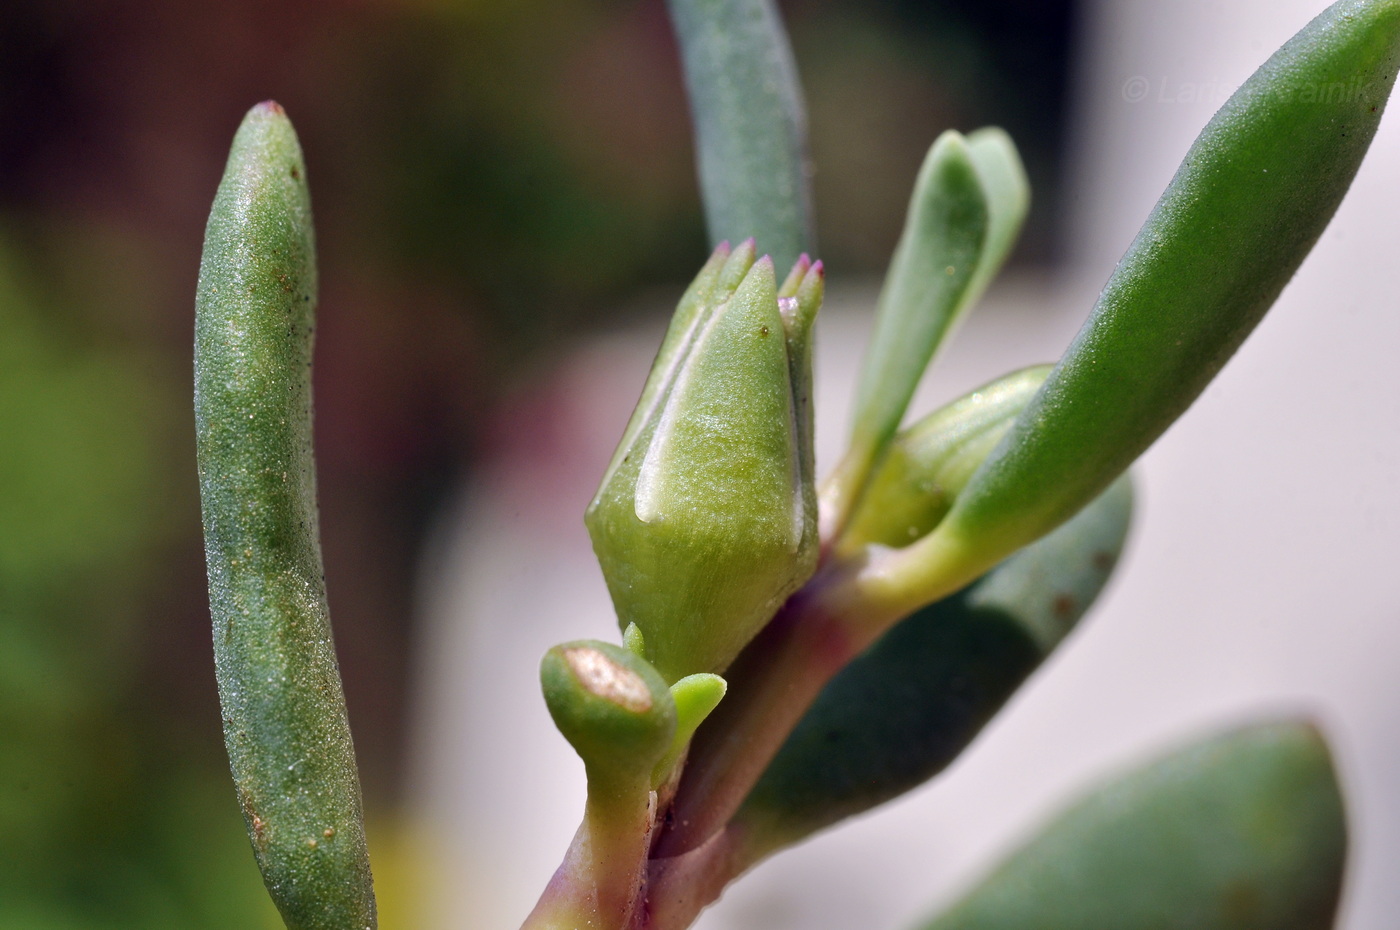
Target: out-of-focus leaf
pixel 750 124
pixel 1239 832
pixel 966 211
pixel 929 279
pixel 904 709
pixel 1008 190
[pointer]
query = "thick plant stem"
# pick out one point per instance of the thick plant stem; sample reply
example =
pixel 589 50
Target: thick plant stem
pixel 1022 610
pixel 679 888
pixel 773 683
pixel 842 610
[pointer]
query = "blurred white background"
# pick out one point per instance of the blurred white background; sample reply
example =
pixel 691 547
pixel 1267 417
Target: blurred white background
pixel 1259 579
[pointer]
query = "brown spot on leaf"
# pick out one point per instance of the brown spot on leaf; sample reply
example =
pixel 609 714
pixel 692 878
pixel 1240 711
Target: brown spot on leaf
pixel 256 824
pixel 1063 606
pixel 609 680
pixel 1241 904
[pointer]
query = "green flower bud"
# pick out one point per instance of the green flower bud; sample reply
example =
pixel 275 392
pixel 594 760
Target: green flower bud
pixel 928 464
pixel 611 706
pixel 705 521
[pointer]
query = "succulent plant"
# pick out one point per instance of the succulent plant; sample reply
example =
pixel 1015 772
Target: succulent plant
pixel 865 632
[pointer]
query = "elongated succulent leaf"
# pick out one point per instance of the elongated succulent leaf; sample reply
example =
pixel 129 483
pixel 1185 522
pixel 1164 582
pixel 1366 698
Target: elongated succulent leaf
pixel 284 710
pixel 929 281
pixel 1252 196
pixel 750 124
pixel 907 707
pixel 1239 832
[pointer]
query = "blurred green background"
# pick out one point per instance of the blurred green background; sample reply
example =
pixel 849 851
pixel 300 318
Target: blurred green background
pixel 492 180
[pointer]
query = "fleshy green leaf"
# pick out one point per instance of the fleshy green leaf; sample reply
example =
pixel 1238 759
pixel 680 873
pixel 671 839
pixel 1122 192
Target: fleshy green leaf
pixel 284 711
pixel 696 696
pixel 1253 195
pixel 750 125
pixel 904 709
pixel 1242 831
pixel 968 204
pixel 1008 193
pixel 612 707
pixel 930 462
pixel 929 278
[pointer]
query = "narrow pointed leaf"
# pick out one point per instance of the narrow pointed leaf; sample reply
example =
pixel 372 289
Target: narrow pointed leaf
pixel 1239 832
pixel 696 696
pixel 1253 195
pixel 907 707
pixel 285 725
pixel 930 277
pixel 750 124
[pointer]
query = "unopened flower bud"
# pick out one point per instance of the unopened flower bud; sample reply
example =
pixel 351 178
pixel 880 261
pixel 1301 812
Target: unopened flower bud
pixel 705 521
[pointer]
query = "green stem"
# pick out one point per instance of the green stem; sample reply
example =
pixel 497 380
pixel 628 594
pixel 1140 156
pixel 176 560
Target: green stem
pixel 600 883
